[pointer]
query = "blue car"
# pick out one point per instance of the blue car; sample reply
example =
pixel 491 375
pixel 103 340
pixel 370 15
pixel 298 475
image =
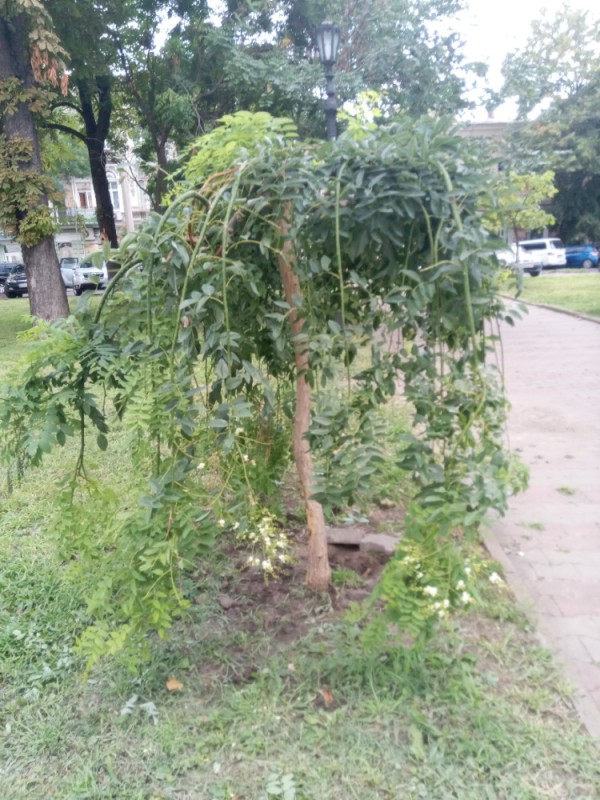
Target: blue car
pixel 582 255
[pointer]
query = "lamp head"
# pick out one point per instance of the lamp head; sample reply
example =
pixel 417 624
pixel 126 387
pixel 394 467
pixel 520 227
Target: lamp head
pixel 328 39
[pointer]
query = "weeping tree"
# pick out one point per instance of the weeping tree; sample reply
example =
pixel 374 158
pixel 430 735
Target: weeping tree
pixel 232 332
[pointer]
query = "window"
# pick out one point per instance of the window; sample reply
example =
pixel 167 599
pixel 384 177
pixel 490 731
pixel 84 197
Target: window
pixel 114 194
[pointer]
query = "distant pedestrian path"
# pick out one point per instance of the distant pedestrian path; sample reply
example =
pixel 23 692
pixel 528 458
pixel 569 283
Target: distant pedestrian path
pixel 549 542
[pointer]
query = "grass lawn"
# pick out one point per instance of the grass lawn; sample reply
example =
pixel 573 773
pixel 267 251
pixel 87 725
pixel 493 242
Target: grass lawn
pixel 574 291
pixel 263 691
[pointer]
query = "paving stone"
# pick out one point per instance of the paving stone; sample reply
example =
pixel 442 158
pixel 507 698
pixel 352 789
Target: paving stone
pixel 546 604
pixel 348 535
pixel 592 645
pixel 585 573
pixel 575 606
pixel 572 647
pixel 379 543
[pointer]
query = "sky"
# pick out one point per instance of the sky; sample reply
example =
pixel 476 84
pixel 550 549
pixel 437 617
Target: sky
pixel 493 28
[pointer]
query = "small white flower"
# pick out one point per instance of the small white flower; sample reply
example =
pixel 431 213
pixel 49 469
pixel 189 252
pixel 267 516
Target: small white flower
pixel 235 526
pixel 431 590
pixel 252 463
pixel 266 565
pixel 460 585
pixel 446 603
pixel 465 598
pixel 419 575
pixel 201 465
pixel 221 523
pixel 246 457
pixel 495 578
pixel 239 431
pixel 467 570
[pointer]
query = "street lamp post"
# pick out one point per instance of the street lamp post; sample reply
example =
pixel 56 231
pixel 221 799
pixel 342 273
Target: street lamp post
pixel 328 39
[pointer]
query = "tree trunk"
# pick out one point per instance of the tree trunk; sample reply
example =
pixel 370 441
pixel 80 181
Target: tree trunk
pixel 161 175
pixel 96 131
pixel 318 572
pixel 46 290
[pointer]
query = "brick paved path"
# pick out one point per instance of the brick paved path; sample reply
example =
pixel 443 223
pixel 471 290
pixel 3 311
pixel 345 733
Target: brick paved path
pixel 549 543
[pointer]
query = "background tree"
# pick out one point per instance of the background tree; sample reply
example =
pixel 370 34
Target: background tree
pixel 519 202
pixel 63 157
pixel 409 52
pixel 29 56
pixel 559 58
pixel 90 99
pixel 156 88
pixel 243 57
pixel 557 75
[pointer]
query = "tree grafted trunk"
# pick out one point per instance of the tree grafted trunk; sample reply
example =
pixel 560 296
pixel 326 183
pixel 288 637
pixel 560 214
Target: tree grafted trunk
pixel 46 290
pixel 318 572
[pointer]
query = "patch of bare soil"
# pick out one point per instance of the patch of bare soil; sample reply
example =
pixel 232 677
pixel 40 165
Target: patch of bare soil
pixel 284 605
pixel 250 603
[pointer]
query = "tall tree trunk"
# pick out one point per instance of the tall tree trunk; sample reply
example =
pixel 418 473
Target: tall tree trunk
pixel 318 572
pixel 161 174
pixel 46 290
pixel 96 131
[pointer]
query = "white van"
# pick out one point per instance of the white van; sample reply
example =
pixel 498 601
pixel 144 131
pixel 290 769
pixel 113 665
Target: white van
pixel 542 252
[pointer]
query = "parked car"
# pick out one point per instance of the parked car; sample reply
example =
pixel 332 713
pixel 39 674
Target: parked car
pixel 5 268
pixel 16 282
pixel 582 255
pixel 507 256
pixel 81 277
pixel 69 262
pixel 542 253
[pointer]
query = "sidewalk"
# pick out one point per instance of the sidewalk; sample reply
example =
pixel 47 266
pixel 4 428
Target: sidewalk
pixel 549 542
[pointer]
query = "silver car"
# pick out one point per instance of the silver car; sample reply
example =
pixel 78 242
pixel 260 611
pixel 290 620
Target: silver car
pixel 81 277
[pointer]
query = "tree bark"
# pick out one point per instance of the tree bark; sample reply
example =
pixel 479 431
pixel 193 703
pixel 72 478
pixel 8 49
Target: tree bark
pixel 96 131
pixel 46 290
pixel 318 572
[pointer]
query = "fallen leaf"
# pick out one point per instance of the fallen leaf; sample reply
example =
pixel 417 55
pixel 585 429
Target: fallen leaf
pixel 173 685
pixel 327 697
